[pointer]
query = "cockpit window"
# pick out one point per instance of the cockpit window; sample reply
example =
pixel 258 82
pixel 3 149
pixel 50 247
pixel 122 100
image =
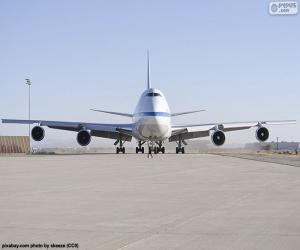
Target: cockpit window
pixel 153 94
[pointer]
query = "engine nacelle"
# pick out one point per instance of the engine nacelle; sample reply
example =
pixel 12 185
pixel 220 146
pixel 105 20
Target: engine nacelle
pixel 262 134
pixel 218 138
pixel 37 133
pixel 84 137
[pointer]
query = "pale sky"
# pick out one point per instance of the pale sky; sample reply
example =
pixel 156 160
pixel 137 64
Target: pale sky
pixel 229 57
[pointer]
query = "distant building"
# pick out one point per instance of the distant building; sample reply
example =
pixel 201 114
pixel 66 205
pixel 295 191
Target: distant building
pixel 14 144
pixel 284 145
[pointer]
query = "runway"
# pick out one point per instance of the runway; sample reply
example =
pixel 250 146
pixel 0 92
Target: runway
pixel 108 201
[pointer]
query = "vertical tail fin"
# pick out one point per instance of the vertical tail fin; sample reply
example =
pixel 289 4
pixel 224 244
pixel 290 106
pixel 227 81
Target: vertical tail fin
pixel 148 71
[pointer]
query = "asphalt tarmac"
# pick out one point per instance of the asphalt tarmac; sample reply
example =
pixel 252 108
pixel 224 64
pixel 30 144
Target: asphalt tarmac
pixel 110 201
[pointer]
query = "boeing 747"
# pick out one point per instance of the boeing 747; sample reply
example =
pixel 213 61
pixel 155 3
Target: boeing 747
pixel 151 124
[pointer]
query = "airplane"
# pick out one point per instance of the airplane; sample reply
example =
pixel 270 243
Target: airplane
pixel 151 124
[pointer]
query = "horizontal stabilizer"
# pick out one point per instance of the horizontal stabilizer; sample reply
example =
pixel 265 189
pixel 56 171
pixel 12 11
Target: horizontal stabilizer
pixel 187 112
pixel 113 113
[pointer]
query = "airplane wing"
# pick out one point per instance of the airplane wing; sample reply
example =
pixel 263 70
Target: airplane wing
pixel 111 131
pixel 184 132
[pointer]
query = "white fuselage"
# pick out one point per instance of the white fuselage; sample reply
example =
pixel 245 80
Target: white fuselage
pixel 152 118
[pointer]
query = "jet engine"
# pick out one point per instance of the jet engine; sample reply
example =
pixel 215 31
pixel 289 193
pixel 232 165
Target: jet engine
pixel 84 137
pixel 262 134
pixel 218 138
pixel 37 133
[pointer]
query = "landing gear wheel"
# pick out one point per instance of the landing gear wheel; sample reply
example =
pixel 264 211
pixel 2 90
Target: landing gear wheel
pixel 163 150
pixel 137 150
pixel 120 150
pixel 180 149
pixel 140 148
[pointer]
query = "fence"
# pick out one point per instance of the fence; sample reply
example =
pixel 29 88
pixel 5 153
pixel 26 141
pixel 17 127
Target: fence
pixel 14 144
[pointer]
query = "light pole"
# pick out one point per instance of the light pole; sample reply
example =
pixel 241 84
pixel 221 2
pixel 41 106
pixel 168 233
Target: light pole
pixel 28 82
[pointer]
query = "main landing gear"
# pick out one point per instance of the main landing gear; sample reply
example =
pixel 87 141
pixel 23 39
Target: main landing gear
pixel 140 148
pixel 180 149
pixel 120 149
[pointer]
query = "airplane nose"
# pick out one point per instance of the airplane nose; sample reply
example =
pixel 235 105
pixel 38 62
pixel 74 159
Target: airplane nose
pixel 157 128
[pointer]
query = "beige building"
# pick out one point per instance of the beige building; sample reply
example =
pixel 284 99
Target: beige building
pixel 14 144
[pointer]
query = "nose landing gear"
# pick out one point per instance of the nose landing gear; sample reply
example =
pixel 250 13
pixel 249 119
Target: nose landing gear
pixel 155 149
pixel 159 148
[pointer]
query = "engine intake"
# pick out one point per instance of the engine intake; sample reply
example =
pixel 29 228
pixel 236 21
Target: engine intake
pixel 83 137
pixel 218 138
pixel 37 133
pixel 262 134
